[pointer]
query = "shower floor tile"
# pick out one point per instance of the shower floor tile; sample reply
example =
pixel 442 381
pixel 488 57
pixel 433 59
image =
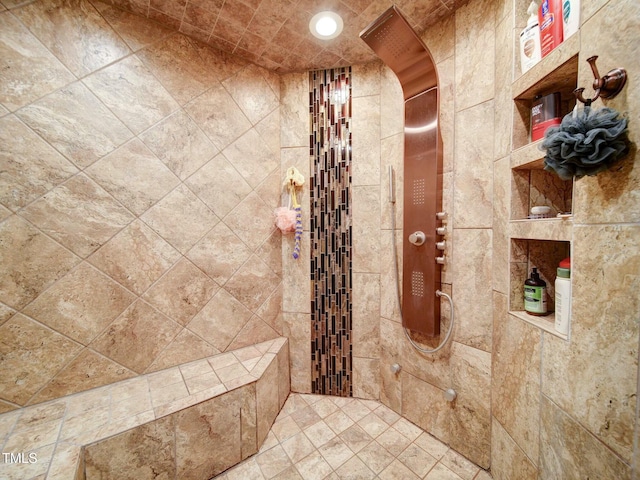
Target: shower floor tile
pixel 376 444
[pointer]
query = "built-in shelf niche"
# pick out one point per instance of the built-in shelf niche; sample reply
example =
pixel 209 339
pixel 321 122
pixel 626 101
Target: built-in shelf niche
pixel 545 255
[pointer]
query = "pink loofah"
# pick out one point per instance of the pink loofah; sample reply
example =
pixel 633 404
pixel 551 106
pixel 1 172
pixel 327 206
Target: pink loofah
pixel 285 219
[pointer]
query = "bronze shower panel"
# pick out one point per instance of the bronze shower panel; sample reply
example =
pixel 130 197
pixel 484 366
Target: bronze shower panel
pixel 394 41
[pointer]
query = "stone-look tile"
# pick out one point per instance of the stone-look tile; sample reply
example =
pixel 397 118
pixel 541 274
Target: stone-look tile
pixel 440 39
pixel 4 213
pixel 30 262
pixel 501 188
pixel 219 185
pixel 273 461
pixel 81 305
pixel 515 383
pixel 219 254
pixel 373 425
pixel 376 457
pixel 284 375
pixel 389 274
pixel 611 196
pixel 313 467
pixel 593 378
pixel 295 274
pixel 472 280
pixel 252 283
pixel 218 116
pixel 253 94
pixel 220 320
pixel 446 74
pixel 352 435
pixel 134 176
pixel 507 460
pixel 393 441
pixel 145 452
pixel 47 351
pixel 365 79
pixel 136 257
pixel 269 130
pixel 248 469
pixel 355 469
pixel 180 144
pixel 365 219
pixel 503 101
pixel 473 172
pixel 76 123
pixel 79 214
pixel 391 103
pixel 130 90
pixel 294 110
pixel 271 310
pixel 397 470
pixel 136 337
pixel 180 218
pixel 424 405
pixel 186 347
pixel 392 155
pixel 221 421
pixel 475 40
pixel 390 383
pixel 252 221
pixel 470 419
pixel 135 30
pixel 459 465
pixel 417 460
pixel 254 331
pixel 30 167
pixel 88 42
pixel 567 450
pixel 6 313
pixel 366 372
pixel 297 327
pixel 29 70
pixel 88 370
pixel 252 158
pixel 267 402
pixel 366 144
pixel 335 452
pixel 366 315
pixel 182 292
pixel 185 67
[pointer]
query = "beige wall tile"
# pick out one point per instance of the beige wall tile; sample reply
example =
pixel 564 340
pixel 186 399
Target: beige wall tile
pixel 252 221
pixel 47 351
pixel 391 103
pixel 366 144
pixel 503 102
pixel 507 460
pixel 130 90
pixel 515 387
pixel 31 262
pixel 140 453
pixel 600 360
pixel 390 383
pixel 365 79
pixel 180 144
pixel 267 400
pixel 569 451
pixel 366 378
pixel 81 305
pixel 500 257
pixel 296 296
pixel 252 158
pixel 185 347
pixel 473 176
pixel 182 292
pixel 253 93
pixel 76 123
pixel 470 418
pixel 294 110
pixel 366 315
pixel 30 166
pixel 79 214
pixel 252 283
pixel 37 72
pixel 88 42
pixel 254 331
pixel 472 287
pixel 88 370
pixel 440 39
pixel 297 327
pixel 475 40
pixel 424 405
pixel 366 219
pixel 134 175
pixel 136 257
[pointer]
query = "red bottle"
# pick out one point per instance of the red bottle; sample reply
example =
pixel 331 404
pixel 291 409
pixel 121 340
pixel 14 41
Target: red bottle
pixel 550 21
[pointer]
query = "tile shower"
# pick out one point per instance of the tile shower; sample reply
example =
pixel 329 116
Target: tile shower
pixel 204 138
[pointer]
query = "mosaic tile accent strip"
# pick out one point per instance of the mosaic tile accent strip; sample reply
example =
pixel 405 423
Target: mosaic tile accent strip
pixel 330 150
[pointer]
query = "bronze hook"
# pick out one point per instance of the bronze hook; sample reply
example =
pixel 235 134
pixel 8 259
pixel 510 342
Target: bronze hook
pixel 578 93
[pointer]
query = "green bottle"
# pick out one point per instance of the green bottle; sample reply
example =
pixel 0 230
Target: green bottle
pixel 535 294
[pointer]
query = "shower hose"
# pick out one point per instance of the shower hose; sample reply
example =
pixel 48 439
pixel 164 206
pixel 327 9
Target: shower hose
pixel 439 293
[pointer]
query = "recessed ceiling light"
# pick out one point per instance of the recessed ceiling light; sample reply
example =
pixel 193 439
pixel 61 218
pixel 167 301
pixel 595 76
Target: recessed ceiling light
pixel 326 25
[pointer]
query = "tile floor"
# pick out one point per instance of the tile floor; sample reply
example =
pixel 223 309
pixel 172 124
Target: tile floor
pixel 322 437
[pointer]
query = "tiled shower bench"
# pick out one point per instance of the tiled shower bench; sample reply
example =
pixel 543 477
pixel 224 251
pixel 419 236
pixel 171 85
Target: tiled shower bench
pixel 191 421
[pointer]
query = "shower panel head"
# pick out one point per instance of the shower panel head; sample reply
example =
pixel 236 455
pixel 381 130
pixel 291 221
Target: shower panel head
pixel 399 47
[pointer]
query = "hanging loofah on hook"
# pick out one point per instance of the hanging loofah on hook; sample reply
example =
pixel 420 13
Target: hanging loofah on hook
pixel 289 220
pixel 587 142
